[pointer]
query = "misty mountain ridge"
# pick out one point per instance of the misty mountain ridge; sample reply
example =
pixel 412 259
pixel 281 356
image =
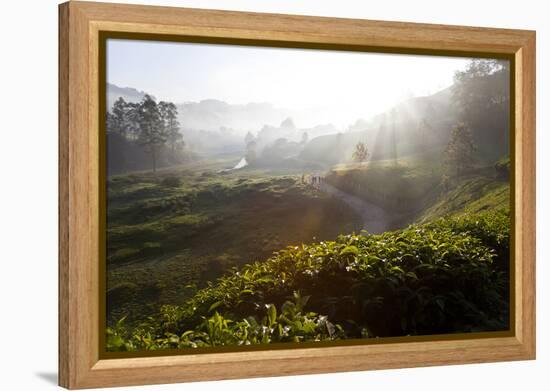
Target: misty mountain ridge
pixel 129 94
pixel 419 125
pixel 217 116
pixel 436 107
pixel 213 126
pixel 213 114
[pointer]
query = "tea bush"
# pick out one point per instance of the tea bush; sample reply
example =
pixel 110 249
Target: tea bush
pixel 293 324
pixel 447 276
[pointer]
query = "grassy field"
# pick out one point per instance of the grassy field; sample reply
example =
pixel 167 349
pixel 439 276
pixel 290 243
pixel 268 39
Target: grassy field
pixel 198 255
pixel 471 194
pixel 403 187
pixel 416 189
pixel 170 233
pixel 447 276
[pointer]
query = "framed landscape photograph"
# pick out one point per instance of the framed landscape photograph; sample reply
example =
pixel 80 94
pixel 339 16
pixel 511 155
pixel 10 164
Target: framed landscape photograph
pixel 282 190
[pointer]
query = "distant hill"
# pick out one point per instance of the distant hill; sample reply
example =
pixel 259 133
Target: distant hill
pixel 436 108
pixel 214 126
pixel 129 94
pixel 212 114
pixel 418 125
pixel 415 126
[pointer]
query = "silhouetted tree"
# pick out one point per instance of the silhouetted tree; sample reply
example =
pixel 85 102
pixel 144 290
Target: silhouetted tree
pixel 118 117
pixel 132 118
pixel 169 115
pixel 135 129
pixel 248 138
pixel 288 124
pixel 459 153
pixel 250 155
pixel 481 94
pixel 361 152
pixel 393 139
pixel 423 132
pixel 153 134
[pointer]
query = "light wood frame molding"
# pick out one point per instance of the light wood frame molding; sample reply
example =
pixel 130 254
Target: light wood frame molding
pixel 80 365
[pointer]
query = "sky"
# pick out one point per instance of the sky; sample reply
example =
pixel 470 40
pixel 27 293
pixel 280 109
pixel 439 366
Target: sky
pixel 340 86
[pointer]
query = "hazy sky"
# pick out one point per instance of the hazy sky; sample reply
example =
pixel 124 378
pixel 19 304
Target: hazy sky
pixel 343 86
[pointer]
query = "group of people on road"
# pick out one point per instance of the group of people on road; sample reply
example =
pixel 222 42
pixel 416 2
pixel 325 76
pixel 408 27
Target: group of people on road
pixel 314 180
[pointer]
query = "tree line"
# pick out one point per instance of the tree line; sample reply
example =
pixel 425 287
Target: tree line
pixel 481 95
pixel 135 129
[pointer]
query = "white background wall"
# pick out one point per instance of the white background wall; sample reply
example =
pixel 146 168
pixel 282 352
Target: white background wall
pixel 28 194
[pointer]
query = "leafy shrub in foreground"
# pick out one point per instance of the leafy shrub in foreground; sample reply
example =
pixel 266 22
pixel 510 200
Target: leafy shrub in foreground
pixel 491 227
pixel 426 279
pixel 293 324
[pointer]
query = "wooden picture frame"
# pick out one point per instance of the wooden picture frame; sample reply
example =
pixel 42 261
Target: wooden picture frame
pixel 80 25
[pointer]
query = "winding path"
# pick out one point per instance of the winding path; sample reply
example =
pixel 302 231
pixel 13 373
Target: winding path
pixel 375 219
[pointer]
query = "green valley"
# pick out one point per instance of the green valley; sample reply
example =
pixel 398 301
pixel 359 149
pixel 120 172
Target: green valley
pixel 171 232
pixel 232 224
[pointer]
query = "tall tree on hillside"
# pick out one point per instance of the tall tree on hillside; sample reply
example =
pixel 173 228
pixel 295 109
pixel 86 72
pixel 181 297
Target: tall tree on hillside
pixel 111 122
pixel 305 138
pixel 250 148
pixel 117 125
pixel 393 138
pixel 153 134
pixel 122 119
pixel 459 153
pixel 361 152
pixel 169 115
pixel 116 144
pixel 423 133
pixel 117 117
pixel 250 154
pixel 481 94
pixel 132 120
pixel 288 124
pixel 248 138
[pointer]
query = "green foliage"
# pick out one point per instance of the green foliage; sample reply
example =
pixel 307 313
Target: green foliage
pixel 481 96
pixel 502 168
pixel 459 153
pixel 176 236
pixel 469 195
pixel 402 188
pixel 492 228
pixel 361 152
pixel 134 128
pixel 292 324
pixel 442 277
pixel 169 116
